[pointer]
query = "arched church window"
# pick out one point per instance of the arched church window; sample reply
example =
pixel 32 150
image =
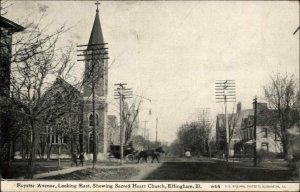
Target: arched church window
pixel 97 119
pixel 91 120
pixel 91 143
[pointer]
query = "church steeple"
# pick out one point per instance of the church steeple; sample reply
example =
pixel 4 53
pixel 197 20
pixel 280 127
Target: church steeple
pixel 95 89
pixel 96 36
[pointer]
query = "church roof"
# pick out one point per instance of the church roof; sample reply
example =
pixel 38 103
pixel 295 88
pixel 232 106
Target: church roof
pixel 8 24
pixel 96 36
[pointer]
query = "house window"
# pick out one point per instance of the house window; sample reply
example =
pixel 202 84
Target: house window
pixel 265 147
pixel 64 138
pixel 264 132
pixel 54 139
pixel 91 120
pixel 250 130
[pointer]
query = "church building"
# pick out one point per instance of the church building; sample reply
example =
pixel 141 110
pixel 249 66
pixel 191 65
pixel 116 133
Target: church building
pixel 72 130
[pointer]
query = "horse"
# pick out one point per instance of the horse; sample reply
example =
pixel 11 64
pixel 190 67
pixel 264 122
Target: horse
pixel 154 153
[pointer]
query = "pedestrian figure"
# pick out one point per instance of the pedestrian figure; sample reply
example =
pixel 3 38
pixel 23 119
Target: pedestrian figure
pixel 74 159
pixel 81 159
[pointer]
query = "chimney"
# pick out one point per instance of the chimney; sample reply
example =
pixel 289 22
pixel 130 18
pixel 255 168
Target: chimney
pixel 239 107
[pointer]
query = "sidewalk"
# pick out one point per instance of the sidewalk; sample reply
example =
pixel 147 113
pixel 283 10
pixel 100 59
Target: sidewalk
pixel 72 169
pixel 59 172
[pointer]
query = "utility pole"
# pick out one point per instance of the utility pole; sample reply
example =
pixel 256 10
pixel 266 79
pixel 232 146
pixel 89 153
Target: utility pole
pixel 254 130
pixel 156 130
pixel 93 55
pixel 145 128
pixel 203 115
pixel 122 93
pixel 225 92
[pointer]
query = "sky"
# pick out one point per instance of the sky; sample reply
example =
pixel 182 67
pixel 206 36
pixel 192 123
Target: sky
pixel 173 52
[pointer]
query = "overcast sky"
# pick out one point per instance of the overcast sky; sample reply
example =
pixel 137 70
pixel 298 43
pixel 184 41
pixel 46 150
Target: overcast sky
pixel 173 52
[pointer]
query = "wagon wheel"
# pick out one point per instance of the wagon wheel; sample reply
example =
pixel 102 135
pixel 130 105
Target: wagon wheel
pixel 130 157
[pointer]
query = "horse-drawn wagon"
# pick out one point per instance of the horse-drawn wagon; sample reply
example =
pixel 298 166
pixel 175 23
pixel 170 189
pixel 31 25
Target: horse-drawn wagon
pixel 128 152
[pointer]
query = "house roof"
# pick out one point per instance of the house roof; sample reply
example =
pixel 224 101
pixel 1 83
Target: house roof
pixel 8 24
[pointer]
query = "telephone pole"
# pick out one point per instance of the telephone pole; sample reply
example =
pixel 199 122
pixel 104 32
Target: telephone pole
pixel 225 92
pixel 122 93
pixel 254 130
pixel 203 115
pixel 93 55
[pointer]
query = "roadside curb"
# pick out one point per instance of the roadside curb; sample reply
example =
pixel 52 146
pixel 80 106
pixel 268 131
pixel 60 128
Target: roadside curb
pixel 68 170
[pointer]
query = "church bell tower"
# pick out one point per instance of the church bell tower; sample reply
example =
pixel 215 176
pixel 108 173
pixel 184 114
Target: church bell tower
pixel 95 79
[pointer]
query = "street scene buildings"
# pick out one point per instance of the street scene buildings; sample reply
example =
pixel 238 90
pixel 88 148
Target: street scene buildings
pixel 184 86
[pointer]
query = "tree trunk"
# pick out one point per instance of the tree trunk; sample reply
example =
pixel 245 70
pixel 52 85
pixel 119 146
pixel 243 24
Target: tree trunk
pixel 48 145
pixel 285 147
pixel 32 158
pixel 284 140
pixel 23 147
pixel 48 150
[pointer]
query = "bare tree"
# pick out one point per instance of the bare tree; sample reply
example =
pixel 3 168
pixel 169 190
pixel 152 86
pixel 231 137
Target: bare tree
pixel 208 136
pixel 232 122
pixel 35 60
pixel 130 115
pixel 197 136
pixel 281 95
pixel 4 5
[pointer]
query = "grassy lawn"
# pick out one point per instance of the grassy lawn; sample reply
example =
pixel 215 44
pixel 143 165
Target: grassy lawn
pixel 122 173
pixel 20 170
pixel 220 171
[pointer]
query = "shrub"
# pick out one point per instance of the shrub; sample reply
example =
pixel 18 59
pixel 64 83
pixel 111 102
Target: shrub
pixel 295 160
pixel 262 155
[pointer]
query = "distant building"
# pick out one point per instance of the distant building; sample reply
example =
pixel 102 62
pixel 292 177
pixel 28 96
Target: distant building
pixel 242 131
pixel 135 126
pixel 113 130
pixel 267 137
pixel 234 121
pixel 7 29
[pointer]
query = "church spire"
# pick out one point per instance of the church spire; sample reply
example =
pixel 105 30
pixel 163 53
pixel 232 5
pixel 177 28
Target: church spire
pixel 96 36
